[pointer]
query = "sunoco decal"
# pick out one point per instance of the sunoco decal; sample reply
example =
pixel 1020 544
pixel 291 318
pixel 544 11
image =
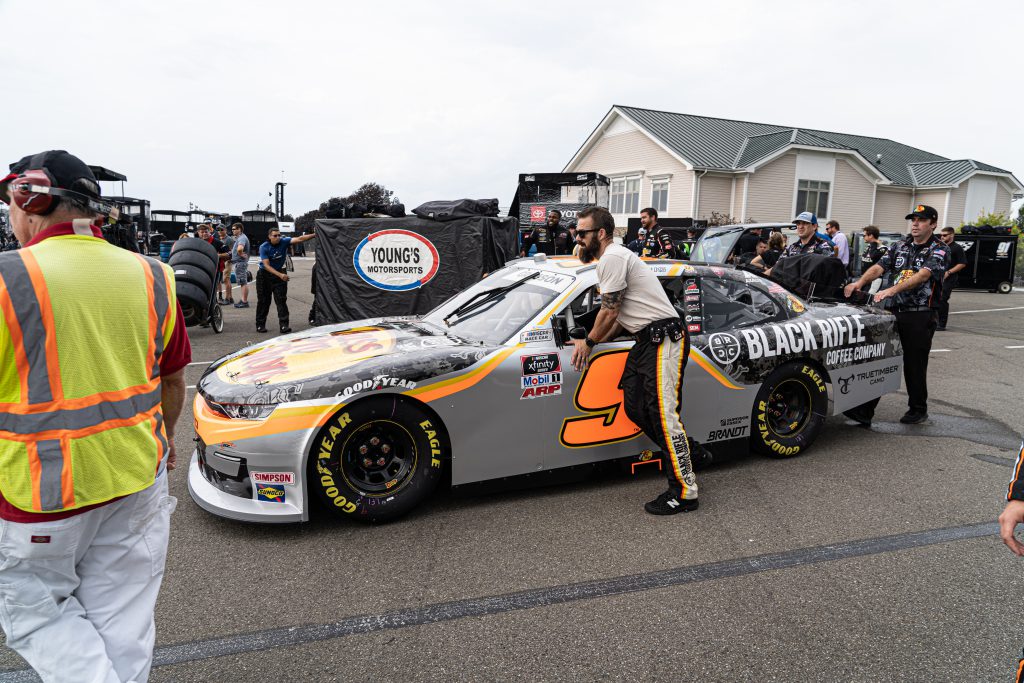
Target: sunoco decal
pixel 396 260
pixel 270 492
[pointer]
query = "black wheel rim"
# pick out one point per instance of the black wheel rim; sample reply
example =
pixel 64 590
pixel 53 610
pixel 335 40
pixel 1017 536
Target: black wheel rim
pixel 379 458
pixel 788 408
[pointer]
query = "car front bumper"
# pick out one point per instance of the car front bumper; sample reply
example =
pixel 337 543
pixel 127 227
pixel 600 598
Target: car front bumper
pixel 225 504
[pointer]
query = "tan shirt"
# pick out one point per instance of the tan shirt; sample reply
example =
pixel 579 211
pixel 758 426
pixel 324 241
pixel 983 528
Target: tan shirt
pixel 644 300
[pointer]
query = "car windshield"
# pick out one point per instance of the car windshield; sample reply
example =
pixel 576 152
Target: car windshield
pixel 715 248
pixel 495 320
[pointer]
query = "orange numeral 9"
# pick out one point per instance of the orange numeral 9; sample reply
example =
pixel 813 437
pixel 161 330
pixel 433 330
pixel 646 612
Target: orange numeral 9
pixel 599 394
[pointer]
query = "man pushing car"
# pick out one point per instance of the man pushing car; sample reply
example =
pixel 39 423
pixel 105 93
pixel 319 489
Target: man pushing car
pixel 633 299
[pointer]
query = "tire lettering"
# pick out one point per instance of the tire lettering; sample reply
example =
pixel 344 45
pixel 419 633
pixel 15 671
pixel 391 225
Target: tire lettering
pixel 435 445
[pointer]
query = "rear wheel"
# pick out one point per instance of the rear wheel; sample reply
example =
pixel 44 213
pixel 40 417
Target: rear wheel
pixel 217 320
pixel 1005 288
pixel 376 460
pixel 789 410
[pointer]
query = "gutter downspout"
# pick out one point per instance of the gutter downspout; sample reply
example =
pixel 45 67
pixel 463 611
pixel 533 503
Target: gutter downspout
pixel 695 204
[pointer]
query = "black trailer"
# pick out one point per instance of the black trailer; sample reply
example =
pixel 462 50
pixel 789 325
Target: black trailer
pixel 991 262
pixel 137 212
pixel 257 224
pixel 168 222
pixel 569 193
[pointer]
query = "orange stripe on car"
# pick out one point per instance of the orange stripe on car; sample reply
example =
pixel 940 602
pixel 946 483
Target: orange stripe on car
pixel 456 384
pixel 702 360
pixel 558 305
pixel 215 428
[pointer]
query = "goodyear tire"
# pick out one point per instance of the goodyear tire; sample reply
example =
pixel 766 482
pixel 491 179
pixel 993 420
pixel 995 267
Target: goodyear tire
pixel 193 275
pixel 789 410
pixel 191 260
pixel 195 246
pixel 377 459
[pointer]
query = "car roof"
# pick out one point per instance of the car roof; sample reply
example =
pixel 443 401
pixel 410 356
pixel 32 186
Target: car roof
pixel 573 266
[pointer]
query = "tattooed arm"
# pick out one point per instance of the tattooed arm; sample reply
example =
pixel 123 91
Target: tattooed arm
pixel 606 326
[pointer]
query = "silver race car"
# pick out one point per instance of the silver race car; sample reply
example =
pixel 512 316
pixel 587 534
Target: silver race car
pixel 364 416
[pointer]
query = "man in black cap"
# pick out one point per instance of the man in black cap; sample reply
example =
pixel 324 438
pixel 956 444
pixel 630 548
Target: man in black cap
pixel 918 264
pixel 87 437
pixel 957 262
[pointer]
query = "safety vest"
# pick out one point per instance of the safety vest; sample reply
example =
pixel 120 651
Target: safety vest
pixel 82 327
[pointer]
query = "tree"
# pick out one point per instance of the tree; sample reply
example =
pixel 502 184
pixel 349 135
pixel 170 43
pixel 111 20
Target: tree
pixel 369 195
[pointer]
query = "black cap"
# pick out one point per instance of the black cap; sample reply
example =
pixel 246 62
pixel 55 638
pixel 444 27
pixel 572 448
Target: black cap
pixel 923 211
pixel 66 171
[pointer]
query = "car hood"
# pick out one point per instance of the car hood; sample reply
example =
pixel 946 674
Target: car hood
pixel 338 361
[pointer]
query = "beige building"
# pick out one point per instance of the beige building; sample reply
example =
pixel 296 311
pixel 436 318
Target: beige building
pixel 690 166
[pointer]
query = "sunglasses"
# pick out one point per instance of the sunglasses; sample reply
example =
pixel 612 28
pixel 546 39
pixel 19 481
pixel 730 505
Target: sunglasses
pixel 585 232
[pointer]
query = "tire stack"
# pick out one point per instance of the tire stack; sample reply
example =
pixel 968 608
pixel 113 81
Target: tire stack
pixel 195 263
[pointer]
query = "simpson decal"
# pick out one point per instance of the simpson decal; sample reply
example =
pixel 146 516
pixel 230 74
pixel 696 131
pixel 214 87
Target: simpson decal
pixel 396 260
pixel 273 477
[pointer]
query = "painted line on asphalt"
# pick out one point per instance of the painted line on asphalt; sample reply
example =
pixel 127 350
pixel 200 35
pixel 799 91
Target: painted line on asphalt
pixel 200 362
pixel 988 310
pixel 941 350
pixel 261 641
pixel 1015 347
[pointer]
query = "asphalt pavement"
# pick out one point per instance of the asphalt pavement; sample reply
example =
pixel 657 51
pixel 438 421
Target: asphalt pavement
pixel 873 557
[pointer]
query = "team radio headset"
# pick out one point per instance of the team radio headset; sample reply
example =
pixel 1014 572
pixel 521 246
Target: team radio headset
pixel 34 193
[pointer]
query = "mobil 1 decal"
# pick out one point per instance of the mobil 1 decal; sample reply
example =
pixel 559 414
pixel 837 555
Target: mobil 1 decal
pixel 542 375
pixel 396 260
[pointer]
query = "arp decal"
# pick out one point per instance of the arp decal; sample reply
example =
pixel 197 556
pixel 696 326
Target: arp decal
pixel 273 477
pixel 724 347
pixel 297 360
pixel 396 260
pixel 542 376
pixel 270 492
pixel 598 394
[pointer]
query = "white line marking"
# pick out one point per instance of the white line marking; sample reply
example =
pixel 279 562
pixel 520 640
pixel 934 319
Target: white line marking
pixel 201 362
pixel 1015 347
pixel 988 310
pixel 191 386
pixel 941 350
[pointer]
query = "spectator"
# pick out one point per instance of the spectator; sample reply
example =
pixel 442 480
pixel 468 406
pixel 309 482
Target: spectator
pixel 839 239
pixel 747 243
pixel 85 507
pixel 957 262
pixel 770 256
pixel 637 245
pixel 240 263
pixel 229 243
pixel 272 280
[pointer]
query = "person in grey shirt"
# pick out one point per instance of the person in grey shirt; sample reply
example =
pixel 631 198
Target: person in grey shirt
pixel 240 263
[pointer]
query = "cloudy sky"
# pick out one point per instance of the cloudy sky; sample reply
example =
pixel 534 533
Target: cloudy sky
pixel 209 101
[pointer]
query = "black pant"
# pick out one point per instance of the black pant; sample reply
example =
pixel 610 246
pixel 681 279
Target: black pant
pixel 652 383
pixel 916 329
pixel 268 285
pixel 947 289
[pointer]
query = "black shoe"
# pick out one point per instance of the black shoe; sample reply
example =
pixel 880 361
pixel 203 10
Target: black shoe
pixel 858 417
pixel 669 503
pixel 940 328
pixel 285 330
pixel 912 417
pixel 260 328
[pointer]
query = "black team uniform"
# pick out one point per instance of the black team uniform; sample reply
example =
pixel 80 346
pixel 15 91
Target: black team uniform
pixel 956 257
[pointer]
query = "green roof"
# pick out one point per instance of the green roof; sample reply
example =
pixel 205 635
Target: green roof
pixel 724 144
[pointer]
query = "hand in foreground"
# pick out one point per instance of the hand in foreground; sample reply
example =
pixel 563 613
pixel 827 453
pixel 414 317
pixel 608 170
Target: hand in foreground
pixel 172 454
pixel 284 277
pixel 1013 514
pixel 884 294
pixel 849 289
pixel 580 354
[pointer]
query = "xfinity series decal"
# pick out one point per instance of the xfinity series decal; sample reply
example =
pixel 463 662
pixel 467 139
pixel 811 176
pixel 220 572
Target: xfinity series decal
pixel 542 375
pixel 396 260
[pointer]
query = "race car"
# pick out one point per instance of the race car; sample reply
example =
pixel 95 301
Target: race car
pixel 364 416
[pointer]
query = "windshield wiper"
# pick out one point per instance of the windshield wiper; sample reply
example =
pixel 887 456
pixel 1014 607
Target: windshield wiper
pixel 485 297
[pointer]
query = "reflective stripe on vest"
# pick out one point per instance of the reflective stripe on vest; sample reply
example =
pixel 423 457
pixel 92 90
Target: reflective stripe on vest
pixel 40 432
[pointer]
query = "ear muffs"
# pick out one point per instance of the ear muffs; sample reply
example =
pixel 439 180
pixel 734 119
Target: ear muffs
pixel 34 193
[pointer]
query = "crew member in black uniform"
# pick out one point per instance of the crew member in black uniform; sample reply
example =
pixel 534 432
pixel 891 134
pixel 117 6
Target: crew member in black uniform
pixel 809 243
pixel 957 262
pixel 633 299
pixel 917 264
pixel 658 243
pixel 561 235
pixel 874 251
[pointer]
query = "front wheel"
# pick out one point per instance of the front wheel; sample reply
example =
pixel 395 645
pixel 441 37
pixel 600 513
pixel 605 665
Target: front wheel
pixel 789 410
pixel 377 460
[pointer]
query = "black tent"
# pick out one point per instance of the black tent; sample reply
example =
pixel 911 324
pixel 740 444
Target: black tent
pixel 373 267
pixel 257 224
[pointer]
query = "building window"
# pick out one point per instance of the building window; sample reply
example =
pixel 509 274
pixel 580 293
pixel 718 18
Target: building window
pixel 626 195
pixel 659 195
pixel 812 195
